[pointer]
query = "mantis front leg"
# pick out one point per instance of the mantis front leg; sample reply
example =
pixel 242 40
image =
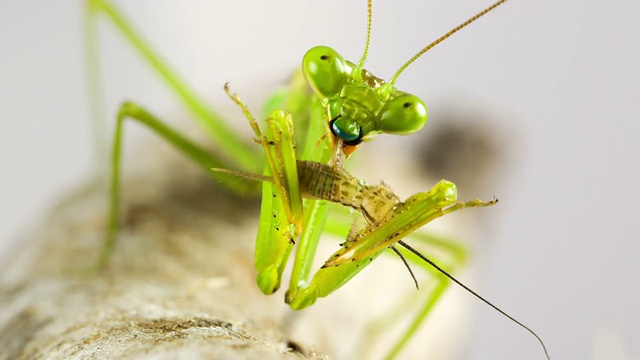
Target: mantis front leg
pixel 357 252
pixel 282 220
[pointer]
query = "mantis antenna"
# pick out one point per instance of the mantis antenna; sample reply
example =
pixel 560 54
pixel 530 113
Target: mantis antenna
pixel 439 40
pixel 366 44
pixel 406 264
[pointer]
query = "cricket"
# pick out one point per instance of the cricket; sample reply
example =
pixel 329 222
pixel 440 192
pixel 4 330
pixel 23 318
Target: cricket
pixel 330 108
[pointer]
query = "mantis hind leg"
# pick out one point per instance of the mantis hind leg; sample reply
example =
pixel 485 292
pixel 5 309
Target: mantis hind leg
pixel 211 122
pixel 194 152
pixel 452 257
pixel 236 149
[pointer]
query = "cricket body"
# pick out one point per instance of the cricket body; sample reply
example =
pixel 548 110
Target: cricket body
pixel 347 105
pixel 320 181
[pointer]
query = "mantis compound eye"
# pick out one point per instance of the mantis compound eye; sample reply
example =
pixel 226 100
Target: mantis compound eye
pixel 325 70
pixel 403 115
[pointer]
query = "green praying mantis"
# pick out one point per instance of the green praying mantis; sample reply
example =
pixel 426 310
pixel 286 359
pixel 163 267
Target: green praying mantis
pixel 346 106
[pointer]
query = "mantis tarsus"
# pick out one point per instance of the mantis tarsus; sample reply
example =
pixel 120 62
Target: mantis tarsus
pixel 349 106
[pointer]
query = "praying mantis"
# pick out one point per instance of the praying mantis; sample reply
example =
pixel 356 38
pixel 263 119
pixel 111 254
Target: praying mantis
pixel 347 105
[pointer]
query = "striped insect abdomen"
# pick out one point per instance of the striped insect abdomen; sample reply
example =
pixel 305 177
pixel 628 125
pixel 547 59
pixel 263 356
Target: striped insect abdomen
pixel 325 182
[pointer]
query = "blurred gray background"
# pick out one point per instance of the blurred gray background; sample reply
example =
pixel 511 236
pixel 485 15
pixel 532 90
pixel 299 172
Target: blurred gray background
pixel 559 81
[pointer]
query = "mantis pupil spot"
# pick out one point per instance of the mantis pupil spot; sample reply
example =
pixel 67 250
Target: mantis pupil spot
pixel 407 105
pixel 324 57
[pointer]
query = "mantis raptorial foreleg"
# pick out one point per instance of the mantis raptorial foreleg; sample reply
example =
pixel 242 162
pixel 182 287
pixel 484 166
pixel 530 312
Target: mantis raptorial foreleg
pixel 389 221
pixel 387 229
pixel 275 236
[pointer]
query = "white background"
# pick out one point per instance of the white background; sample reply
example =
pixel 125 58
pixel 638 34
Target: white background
pixel 564 249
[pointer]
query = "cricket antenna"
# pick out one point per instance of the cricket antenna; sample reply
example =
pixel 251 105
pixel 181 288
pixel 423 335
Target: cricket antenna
pixel 406 264
pixel 442 38
pixel 366 44
pixel 445 273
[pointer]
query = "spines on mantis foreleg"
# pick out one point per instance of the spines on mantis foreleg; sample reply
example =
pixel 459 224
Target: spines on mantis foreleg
pixel 412 214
